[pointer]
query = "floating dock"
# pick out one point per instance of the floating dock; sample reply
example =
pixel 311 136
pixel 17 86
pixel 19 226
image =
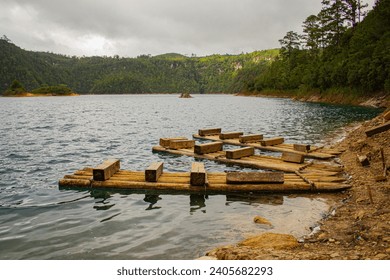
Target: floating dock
pixel 289 161
pixel 265 144
pixel 108 175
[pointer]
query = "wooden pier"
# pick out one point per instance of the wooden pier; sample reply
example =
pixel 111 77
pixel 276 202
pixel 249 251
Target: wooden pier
pixel 257 141
pixel 198 180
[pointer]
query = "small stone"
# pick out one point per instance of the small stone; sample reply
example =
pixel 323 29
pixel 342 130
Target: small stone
pixel 331 240
pixel 381 256
pixel 359 215
pixel 261 220
pixel 335 255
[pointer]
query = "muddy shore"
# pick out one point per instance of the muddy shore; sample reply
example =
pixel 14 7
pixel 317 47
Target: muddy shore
pixel 357 225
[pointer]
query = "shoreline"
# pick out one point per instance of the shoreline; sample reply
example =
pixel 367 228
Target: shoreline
pixel 377 101
pixel 29 94
pixel 357 226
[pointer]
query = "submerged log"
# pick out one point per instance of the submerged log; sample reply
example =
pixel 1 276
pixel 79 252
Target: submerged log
pixel 207 148
pixel 272 141
pixel 105 170
pixel 239 153
pixel 153 172
pixel 292 157
pixel 250 138
pixel 230 135
pixel 378 129
pixel 198 174
pixel 254 177
pixel 209 131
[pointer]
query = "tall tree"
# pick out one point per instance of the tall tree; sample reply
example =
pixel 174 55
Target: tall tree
pixel 312 32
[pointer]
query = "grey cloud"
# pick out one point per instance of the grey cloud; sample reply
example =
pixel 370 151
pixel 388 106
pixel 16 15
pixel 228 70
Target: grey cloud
pixel 133 27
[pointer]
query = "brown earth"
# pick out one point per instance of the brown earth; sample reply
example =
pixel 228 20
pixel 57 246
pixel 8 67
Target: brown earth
pixel 357 227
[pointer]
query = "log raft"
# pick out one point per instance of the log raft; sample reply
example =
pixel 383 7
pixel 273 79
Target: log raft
pixel 276 144
pixel 246 158
pixel 200 181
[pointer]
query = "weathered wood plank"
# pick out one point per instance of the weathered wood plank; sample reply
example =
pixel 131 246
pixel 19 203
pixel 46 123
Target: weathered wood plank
pixel 164 142
pixel 293 157
pixel 153 172
pixel 230 135
pixel 207 148
pixel 239 153
pixel 254 177
pixel 181 144
pixel 250 138
pixel 272 141
pixel 105 170
pixel 209 131
pixel 386 116
pixel 198 174
pixel 302 148
pixel 378 129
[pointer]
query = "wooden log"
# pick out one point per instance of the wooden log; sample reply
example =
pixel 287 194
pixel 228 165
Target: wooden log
pixel 153 172
pixel 272 141
pixel 81 183
pixel 164 142
pixel 383 162
pixel 207 148
pixel 386 116
pixel 209 131
pixel 229 135
pixel 363 160
pixel 105 170
pixel 292 157
pixel 302 148
pixel 239 153
pixel 198 174
pixel 181 144
pixel 254 177
pixel 250 138
pixel 378 129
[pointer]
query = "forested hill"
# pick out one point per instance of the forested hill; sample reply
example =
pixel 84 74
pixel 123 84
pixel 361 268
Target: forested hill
pixel 340 52
pixel 144 74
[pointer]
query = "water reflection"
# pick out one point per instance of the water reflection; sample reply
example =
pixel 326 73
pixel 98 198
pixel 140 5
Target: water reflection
pixel 152 199
pixel 197 202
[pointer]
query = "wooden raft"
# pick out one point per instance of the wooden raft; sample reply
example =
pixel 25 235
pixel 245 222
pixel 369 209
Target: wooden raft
pixel 249 160
pixel 198 180
pixel 271 144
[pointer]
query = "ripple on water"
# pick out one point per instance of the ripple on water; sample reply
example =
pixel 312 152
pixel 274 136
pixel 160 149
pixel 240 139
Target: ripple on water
pixel 39 221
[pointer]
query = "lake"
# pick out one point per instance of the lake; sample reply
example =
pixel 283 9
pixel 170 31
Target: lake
pixel 44 138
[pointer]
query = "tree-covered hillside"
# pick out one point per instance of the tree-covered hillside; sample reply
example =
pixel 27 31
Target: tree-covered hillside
pixel 144 74
pixel 340 51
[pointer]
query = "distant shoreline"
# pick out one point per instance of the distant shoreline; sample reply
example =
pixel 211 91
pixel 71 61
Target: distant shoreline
pixel 377 101
pixel 29 94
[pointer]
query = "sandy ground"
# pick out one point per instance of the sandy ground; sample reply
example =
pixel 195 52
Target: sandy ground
pixel 358 225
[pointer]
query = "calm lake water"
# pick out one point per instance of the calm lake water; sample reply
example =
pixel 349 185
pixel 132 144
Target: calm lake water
pixel 42 139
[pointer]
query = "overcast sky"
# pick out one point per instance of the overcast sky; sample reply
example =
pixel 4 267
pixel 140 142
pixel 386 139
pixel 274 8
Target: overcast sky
pixel 133 27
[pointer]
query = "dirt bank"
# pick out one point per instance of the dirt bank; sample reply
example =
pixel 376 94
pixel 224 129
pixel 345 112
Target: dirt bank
pixel 357 227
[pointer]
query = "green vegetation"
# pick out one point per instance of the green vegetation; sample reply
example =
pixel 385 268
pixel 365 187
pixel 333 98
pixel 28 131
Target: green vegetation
pixel 343 53
pixel 58 89
pixel 145 74
pixel 15 88
pixel 339 54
